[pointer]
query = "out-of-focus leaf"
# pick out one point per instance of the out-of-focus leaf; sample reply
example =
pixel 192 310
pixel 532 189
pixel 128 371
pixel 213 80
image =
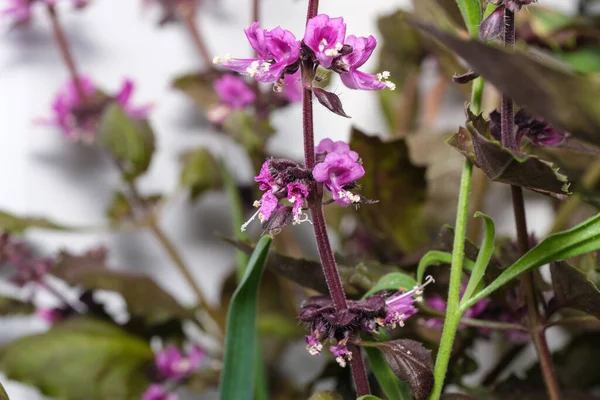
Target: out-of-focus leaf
pixel 500 164
pixel 577 363
pixel 411 362
pixel 392 281
pixel 3 395
pixel 457 396
pixel 330 100
pixel 565 99
pixel 14 224
pixel 200 172
pixel 119 210
pixel 199 87
pixel 240 356
pixel 9 306
pixel 586 60
pixel 248 130
pixel 369 397
pixel 130 141
pixel 397 185
pixel 81 359
pixel 279 326
pixel 581 239
pixel 572 289
pixel 326 396
pixel 143 296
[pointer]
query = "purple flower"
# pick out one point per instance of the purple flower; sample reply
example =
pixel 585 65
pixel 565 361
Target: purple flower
pixel 157 392
pixel 171 363
pixel 234 92
pixel 78 117
pixel 280 179
pixel 325 36
pixel 337 171
pixel 536 129
pixel 297 192
pixel 341 353
pixel 18 10
pixel 362 48
pixel 438 303
pixel 327 145
pixel 313 344
pixel 292 87
pixel 50 315
pixel 19 257
pixel 276 49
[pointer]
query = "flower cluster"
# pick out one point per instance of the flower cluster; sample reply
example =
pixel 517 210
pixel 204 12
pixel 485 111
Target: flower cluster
pixel 19 257
pixel 325 43
pixel 78 108
pixel 538 131
pixel 337 168
pixel 173 365
pixel 325 323
pixel 20 11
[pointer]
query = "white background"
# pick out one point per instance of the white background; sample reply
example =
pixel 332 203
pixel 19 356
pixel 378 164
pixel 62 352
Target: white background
pixel 42 174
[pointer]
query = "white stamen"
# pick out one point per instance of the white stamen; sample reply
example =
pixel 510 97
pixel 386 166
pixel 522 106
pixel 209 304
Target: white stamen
pixel 216 60
pixel 257 213
pixel 323 44
pixel 341 361
pixel 228 57
pixel 383 76
pixel 253 68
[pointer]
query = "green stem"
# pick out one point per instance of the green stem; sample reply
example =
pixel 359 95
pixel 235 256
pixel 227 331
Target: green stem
pixel 453 313
pixel 471 13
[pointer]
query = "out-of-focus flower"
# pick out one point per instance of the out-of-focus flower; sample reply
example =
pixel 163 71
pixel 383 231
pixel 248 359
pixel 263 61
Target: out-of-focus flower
pixel 325 37
pixel 20 11
pixel 325 323
pixel 78 108
pixel 347 65
pixel 157 392
pixel 234 92
pixel 539 132
pixel 19 257
pixel 50 315
pixel 336 171
pixel 438 303
pixel 172 364
pixel 276 50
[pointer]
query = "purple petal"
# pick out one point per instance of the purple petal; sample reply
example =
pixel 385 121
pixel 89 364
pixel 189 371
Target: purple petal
pixel 325 36
pixel 360 80
pixel 362 48
pixel 268 203
pixel 234 92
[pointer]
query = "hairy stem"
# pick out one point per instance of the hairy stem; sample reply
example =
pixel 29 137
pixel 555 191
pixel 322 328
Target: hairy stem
pixel 453 313
pixel 330 268
pixel 535 321
pixel 65 51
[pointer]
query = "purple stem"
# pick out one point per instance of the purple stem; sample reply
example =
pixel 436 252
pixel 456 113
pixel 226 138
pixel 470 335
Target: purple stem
pixel 536 329
pixel 330 269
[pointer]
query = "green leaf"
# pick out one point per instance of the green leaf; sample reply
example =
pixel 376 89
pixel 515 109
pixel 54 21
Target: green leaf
pixel 248 130
pixel 119 210
pixel 3 395
pixel 435 257
pixel 392 281
pixel 9 306
pixel 572 289
pixel 81 359
pixel 199 87
pixel 130 141
pixel 239 359
pixel 564 98
pixel 484 257
pixel 392 386
pixel 144 297
pixel 501 165
pixel 581 239
pixel 586 59
pixel 13 224
pixel 200 172
pixel 368 397
pixel 398 186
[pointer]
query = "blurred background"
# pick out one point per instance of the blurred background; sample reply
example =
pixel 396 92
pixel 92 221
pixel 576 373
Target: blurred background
pixel 43 174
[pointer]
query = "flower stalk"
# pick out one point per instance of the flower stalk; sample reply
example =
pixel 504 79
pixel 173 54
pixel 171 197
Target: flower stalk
pixel 330 269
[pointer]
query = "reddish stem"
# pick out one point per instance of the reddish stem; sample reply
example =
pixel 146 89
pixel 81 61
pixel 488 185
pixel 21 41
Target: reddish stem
pixel 330 269
pixel 63 46
pixel 187 13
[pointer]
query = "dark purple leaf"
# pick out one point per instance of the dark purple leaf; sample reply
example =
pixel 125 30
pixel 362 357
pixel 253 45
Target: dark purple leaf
pixel 330 100
pixel 492 27
pixel 411 362
pixel 499 164
pixel 572 289
pixel 568 101
pixel 465 78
